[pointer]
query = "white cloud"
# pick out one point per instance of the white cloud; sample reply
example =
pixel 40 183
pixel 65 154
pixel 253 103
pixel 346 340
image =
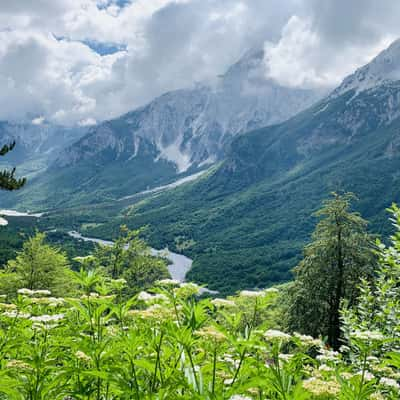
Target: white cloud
pixel 329 39
pixel 38 120
pixel 47 71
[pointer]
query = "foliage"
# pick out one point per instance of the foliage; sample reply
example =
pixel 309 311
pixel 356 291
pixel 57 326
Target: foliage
pixel 19 229
pixel 375 321
pixel 130 258
pixel 340 253
pixel 13 236
pixel 37 266
pixel 168 343
pixel 251 217
pixel 7 178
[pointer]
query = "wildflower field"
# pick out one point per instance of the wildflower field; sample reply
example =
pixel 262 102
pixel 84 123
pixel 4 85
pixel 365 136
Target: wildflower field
pixel 103 339
pixel 166 344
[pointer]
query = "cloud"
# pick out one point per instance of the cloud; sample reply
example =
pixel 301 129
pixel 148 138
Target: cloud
pixel 329 39
pixel 81 61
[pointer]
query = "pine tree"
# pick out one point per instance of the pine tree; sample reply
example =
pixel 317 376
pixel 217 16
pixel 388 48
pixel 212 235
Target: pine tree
pixel 340 254
pixel 7 178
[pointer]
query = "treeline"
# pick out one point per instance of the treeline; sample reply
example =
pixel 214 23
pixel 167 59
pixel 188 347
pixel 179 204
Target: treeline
pixel 115 330
pixel 43 266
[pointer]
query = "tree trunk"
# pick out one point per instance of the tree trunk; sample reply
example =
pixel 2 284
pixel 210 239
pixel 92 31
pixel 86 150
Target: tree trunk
pixel 334 328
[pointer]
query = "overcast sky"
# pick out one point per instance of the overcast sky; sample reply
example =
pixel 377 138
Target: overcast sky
pixel 81 61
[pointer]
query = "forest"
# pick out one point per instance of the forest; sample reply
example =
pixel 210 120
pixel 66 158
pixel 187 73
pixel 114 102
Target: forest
pixel 112 325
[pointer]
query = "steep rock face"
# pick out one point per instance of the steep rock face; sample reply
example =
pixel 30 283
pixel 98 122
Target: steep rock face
pixel 367 101
pixel 192 127
pixel 253 214
pixel 383 69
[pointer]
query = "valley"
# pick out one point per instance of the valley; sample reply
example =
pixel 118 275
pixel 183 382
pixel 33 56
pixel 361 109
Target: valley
pixel 200 200
pixel 244 219
pixel 178 265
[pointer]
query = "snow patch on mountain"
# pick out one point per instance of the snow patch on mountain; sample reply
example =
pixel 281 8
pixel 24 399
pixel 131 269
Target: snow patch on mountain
pixel 194 126
pixel 383 69
pixel 172 153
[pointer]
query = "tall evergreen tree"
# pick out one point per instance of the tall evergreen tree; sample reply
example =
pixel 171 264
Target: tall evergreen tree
pixel 340 254
pixel 7 178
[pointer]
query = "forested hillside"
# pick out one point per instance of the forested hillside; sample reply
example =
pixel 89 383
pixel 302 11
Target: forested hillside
pixel 246 222
pixel 104 332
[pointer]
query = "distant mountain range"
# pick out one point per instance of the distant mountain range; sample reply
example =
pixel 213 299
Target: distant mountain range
pixel 38 144
pixel 176 134
pixel 246 222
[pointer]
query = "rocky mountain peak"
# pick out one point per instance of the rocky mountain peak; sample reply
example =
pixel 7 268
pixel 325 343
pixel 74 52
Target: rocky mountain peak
pixel 383 69
pixel 193 126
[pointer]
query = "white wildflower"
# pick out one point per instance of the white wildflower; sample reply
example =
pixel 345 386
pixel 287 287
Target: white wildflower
pixel 211 333
pixel 48 318
pixel 307 340
pixel 367 335
pixel 168 282
pixel 251 293
pixel 18 364
pixel 144 296
pixel 187 289
pixel 389 382
pixel 80 355
pixel 273 334
pixel 223 303
pixel 327 355
pixel 7 306
pixel 25 292
pixel 368 376
pixel 42 292
pixel 148 297
pixel 16 314
pixel 160 296
pixel 325 368
pixel 319 387
pixel 285 357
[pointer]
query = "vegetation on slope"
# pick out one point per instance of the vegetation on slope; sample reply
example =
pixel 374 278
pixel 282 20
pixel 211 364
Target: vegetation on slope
pixel 165 343
pixel 248 221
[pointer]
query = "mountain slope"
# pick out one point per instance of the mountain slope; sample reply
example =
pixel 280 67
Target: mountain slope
pixel 38 144
pixel 246 223
pixel 176 134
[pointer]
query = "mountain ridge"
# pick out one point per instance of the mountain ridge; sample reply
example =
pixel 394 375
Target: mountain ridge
pixel 248 221
pixel 177 134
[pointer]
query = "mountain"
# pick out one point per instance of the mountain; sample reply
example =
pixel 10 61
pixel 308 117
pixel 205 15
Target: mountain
pixel 38 143
pixel 246 222
pixel 190 127
pixel 382 69
pixel 175 135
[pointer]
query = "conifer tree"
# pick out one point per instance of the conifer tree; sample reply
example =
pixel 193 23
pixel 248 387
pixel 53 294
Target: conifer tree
pixel 340 254
pixel 7 178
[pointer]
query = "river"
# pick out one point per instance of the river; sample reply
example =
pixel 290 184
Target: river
pixel 179 264
pixel 178 268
